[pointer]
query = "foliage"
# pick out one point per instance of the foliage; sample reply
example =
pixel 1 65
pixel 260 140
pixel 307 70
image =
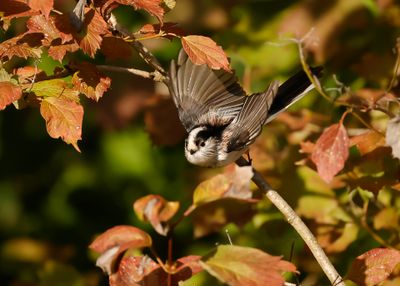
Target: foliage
pixel 54 55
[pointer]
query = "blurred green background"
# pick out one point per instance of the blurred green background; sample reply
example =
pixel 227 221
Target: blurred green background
pixel 54 201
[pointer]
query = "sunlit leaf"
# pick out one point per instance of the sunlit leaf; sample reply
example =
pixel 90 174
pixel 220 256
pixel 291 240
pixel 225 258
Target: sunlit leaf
pixel 151 6
pixel 387 218
pixel 368 141
pixel 15 9
pixel 24 46
pixel 331 151
pixel 393 136
pixel 203 50
pixel 44 6
pixel 9 93
pixel 238 266
pixel 58 52
pixel 90 81
pixel 156 210
pixel 46 26
pixel 168 30
pixel 374 266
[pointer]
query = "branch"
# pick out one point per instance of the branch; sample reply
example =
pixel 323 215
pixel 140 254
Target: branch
pixel 146 55
pixel 298 225
pixel 156 75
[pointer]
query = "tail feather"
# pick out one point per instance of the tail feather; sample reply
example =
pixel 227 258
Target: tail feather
pixel 290 91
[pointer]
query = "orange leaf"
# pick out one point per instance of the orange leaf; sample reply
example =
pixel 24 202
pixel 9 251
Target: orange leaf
pixel 58 52
pixel 170 29
pixel 9 93
pixel 156 209
pixel 331 151
pixel 63 118
pixel 237 266
pixel 95 28
pixel 43 6
pixel 151 6
pixel 46 26
pixel 24 46
pixel 90 81
pixel 368 141
pixel 203 50
pixel 15 9
pixel 374 266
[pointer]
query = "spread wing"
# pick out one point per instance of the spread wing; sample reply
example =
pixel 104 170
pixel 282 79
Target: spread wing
pixel 245 128
pixel 203 95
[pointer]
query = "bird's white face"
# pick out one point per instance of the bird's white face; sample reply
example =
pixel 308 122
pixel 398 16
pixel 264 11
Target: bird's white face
pixel 201 150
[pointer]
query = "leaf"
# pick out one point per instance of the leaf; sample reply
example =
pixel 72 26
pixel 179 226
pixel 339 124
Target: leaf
pixel 61 110
pixel 156 210
pixel 233 184
pixel 168 30
pixel 151 6
pixel 15 9
pixel 393 136
pixel 142 270
pixel 238 266
pixel 46 26
pixel 58 52
pixel 9 93
pixel 387 218
pixel 203 50
pixel 331 151
pixel 116 240
pixel 95 28
pixel 368 141
pixel 374 266
pixel 90 81
pixel 116 48
pixel 24 46
pixel 43 6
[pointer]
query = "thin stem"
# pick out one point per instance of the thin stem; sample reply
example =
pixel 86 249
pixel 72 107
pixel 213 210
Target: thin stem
pixel 297 224
pixel 169 263
pixel 156 76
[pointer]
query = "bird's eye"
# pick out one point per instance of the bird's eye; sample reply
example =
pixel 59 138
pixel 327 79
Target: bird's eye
pixel 202 144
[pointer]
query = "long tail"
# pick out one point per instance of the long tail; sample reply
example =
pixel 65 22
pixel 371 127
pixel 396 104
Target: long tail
pixel 290 91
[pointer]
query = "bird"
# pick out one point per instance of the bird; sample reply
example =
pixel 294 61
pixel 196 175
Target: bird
pixel 221 120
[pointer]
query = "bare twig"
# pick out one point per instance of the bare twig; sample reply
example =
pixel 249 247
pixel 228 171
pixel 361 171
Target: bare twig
pixel 146 55
pixel 298 225
pixel 156 76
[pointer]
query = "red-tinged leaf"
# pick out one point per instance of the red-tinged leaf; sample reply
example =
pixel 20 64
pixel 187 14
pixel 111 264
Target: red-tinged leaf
pixel 153 7
pixel 156 210
pixel 9 93
pixel 46 26
pixel 15 9
pixel 331 151
pixel 44 6
pixel 24 46
pixel 374 266
pixel 26 73
pixel 233 184
pixel 393 136
pixel 58 52
pixel 116 48
pixel 306 147
pixel 96 27
pixel 116 240
pixel 90 81
pixel 142 270
pixel 203 50
pixel 167 30
pixel 238 266
pixel 368 141
pixel 63 117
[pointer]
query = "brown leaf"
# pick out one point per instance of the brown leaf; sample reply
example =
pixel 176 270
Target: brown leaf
pixel 58 52
pixel 162 121
pixel 43 6
pixel 393 135
pixel 238 266
pixel 46 26
pixel 368 141
pixel 90 81
pixel 156 210
pixel 116 240
pixel 374 266
pixel 24 46
pixel 203 50
pixel 15 9
pixel 151 6
pixel 116 48
pixel 63 118
pixel 96 27
pixel 9 93
pixel 331 151
pixel 168 30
